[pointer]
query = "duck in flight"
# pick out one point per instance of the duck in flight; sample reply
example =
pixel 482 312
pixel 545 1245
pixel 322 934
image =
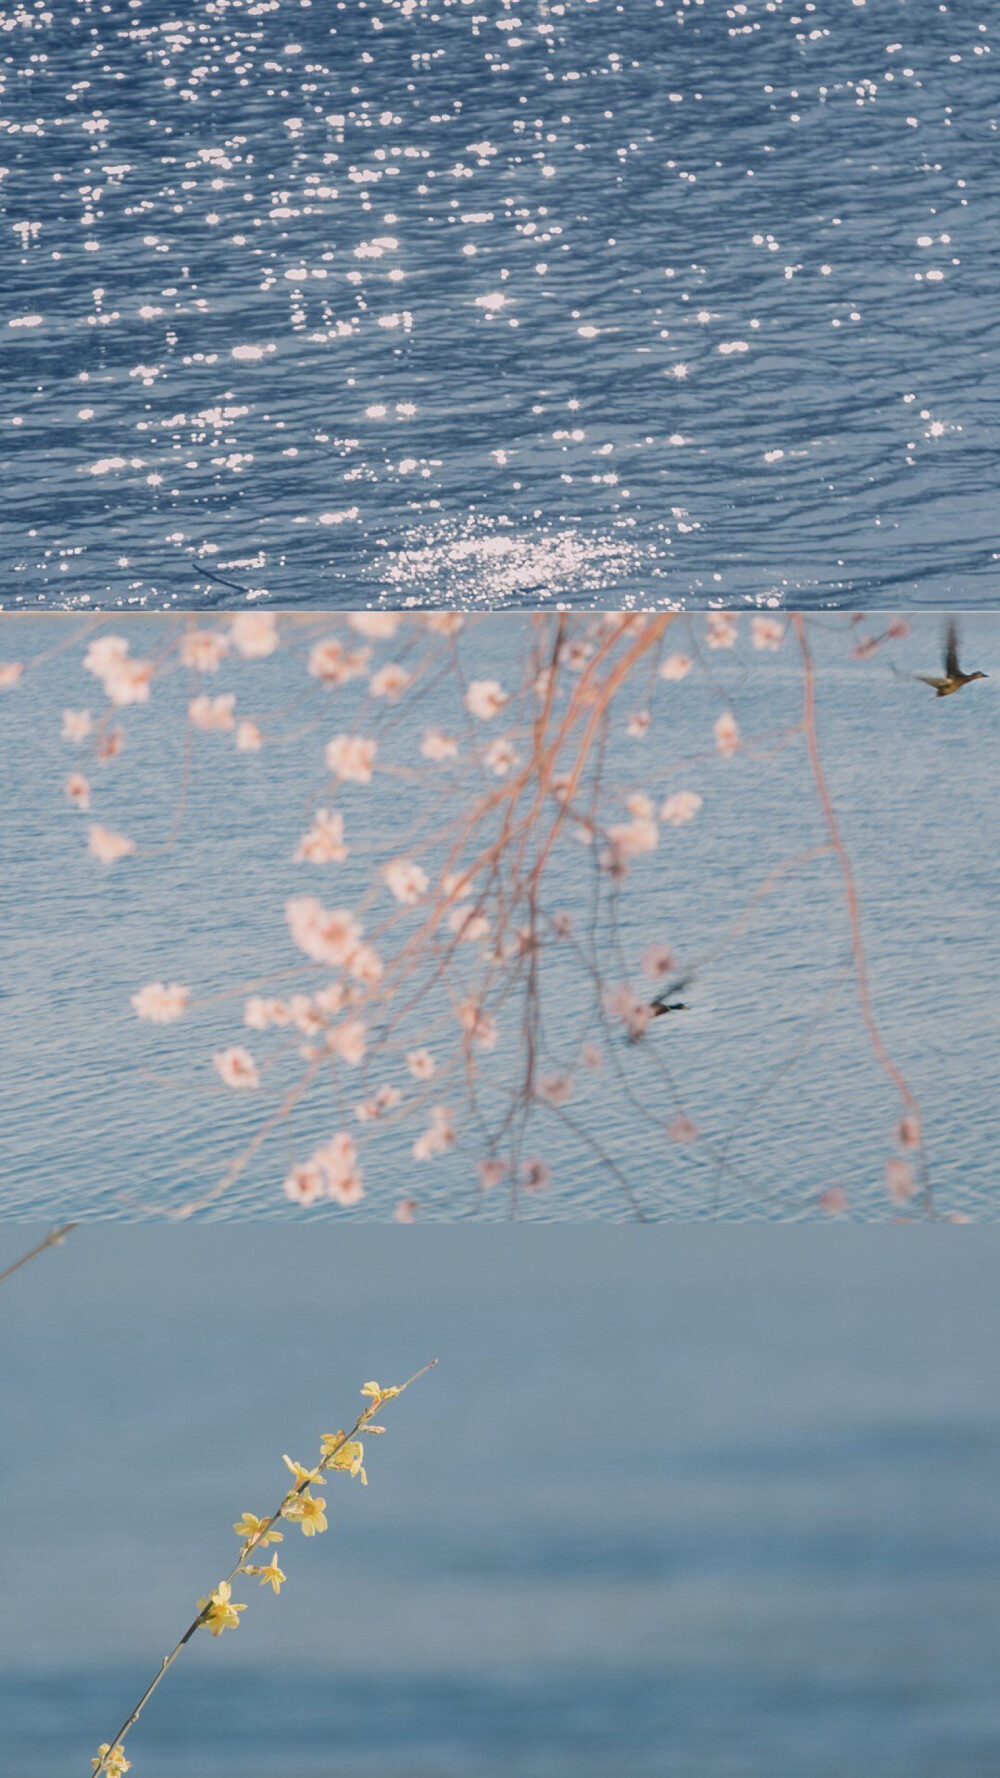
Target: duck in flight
pixel 953 678
pixel 642 1013
pixel 665 1002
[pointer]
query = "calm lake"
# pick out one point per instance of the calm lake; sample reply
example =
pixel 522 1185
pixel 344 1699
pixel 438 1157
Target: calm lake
pixel 704 1503
pixel 780 1083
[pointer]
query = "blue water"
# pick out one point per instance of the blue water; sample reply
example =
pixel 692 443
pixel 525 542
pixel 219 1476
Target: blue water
pixel 699 1504
pixel 433 301
pixel 105 1115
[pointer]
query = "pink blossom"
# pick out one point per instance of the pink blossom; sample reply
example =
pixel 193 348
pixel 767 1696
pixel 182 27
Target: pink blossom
pixel 76 725
pixel 213 714
pixel 108 847
pixel 248 737
pixel 478 1025
pixel 592 1057
pixel 366 965
pixel 727 734
pixel 445 623
pixel 439 1137
pixel 338 1161
pixel 127 682
pixel 348 1042
pixel 160 1003
pixel 658 960
pixel 682 806
pixel 346 1189
pixel 630 839
pixel 834 1201
pixel 682 1129
pixel 389 682
pixel 350 758
pixel 237 1068
pixel 332 999
pixel 203 650
pixel 254 634
pixel 908 1131
pixel 405 1210
pixel 621 1003
pixel 78 790
pixel 421 1064
pixel 900 1181
pixel 468 924
pixel 437 747
pixel 305 1183
pixel 370 1110
pixel 722 628
pixel 406 880
pixel 639 804
pixel 330 662
pixel 485 698
pixel 898 629
pixel 104 653
pixel 676 666
pixel 535 1176
pixel 767 632
pixel 306 1016
pixel 501 757
pixel 10 674
pixel 491 1173
pixel 556 1089
pixel 376 625
pixel 324 843
pixel 326 935
pixel 110 744
pixel 638 723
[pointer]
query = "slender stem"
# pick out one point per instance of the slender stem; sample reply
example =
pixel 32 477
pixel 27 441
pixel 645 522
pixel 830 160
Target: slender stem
pixel 245 1549
pixel 54 1238
pixel 882 1055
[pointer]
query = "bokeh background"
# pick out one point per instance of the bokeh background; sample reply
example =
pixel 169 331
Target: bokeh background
pixel 686 1503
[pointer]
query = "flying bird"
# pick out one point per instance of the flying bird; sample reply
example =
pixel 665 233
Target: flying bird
pixel 953 678
pixel 664 1000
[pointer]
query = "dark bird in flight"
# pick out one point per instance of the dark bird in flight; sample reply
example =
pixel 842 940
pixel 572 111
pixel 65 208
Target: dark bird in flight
pixel 953 678
pixel 665 1001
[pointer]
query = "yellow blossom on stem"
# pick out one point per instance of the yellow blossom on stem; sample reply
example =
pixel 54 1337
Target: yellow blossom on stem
pixel 111 1760
pixel 270 1576
pixel 378 1394
pixel 252 1531
pixel 307 1510
pixel 218 1611
pixel 340 1452
pixel 300 1474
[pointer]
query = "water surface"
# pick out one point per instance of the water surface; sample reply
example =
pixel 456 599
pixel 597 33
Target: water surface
pixel 423 300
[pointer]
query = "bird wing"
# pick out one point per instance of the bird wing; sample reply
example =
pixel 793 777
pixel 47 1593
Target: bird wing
pixel 677 986
pixel 951 665
pixel 930 679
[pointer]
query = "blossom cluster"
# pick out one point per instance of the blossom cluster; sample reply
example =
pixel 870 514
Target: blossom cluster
pixel 302 1505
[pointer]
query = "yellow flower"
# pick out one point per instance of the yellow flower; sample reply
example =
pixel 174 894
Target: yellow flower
pixel 347 1455
pixel 271 1576
pixel 378 1394
pixel 300 1474
pixel 308 1511
pixel 111 1760
pixel 218 1611
pixel 250 1528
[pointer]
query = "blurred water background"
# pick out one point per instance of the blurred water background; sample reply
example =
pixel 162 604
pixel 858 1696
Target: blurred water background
pixel 698 1503
pixel 492 303
pixel 103 1114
